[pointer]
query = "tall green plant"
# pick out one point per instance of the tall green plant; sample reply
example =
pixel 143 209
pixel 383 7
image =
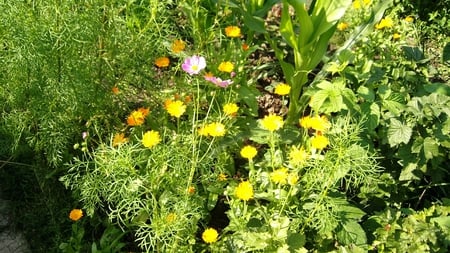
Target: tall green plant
pixel 307 34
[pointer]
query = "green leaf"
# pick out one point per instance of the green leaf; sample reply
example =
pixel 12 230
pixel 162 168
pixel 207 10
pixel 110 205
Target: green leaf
pixel 372 115
pixel 430 148
pixel 287 28
pixel 398 133
pixel 407 173
pixel 351 233
pixel 296 241
pixel 413 53
pixel 254 23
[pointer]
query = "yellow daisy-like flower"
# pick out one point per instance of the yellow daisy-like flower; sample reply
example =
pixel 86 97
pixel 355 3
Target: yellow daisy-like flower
pixel 151 139
pixel 385 23
pixel 76 214
pixel 317 123
pixel 279 176
pixel 203 131
pixel 175 108
pixel 226 66
pixel 137 117
pixel 272 122
pixel 216 129
pixel 119 139
pixel 171 217
pixel 162 62
pixel 230 109
pixel 249 152
pixel 396 36
pixel 233 31
pixel 356 4
pixel 297 155
pixel 319 142
pixel 342 26
pixel 244 191
pixel 222 177
pixel 282 89
pixel 409 19
pixel 292 179
pixel 178 46
pixel 210 235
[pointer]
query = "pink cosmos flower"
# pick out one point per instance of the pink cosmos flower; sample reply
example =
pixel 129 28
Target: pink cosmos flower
pixel 217 80
pixel 193 65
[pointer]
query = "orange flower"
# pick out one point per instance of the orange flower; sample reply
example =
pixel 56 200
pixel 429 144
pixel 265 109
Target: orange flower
pixel 115 90
pixel 178 46
pixel 162 62
pixel 119 139
pixel 76 214
pixel 245 47
pixel 137 118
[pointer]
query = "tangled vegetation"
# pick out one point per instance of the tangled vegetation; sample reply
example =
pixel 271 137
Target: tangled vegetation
pixel 226 125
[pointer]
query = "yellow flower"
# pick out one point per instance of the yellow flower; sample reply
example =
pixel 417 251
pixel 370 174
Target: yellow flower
pixel 272 122
pixel 119 139
pixel 342 26
pixel 162 62
pixel 171 217
pixel 137 117
pixel 249 152
pixel 385 23
pixel 233 31
pixel 191 190
pixel 279 176
pixel 292 179
pixel 317 123
pixel 409 19
pixel 319 142
pixel 76 214
pixel 244 191
pixel 150 139
pixel 175 108
pixel 357 3
pixel 282 89
pixel 226 66
pixel 216 129
pixel 203 131
pixel 230 109
pixel 178 46
pixel 396 36
pixel 210 235
pixel 297 155
pixel 222 177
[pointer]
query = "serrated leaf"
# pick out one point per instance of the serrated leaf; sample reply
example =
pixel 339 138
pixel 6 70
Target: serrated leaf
pixel 430 148
pixel 398 133
pixel 407 173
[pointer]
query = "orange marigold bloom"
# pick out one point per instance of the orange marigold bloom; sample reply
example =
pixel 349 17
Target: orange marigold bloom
pixel 136 118
pixel 178 46
pixel 162 62
pixel 119 139
pixel 115 90
pixel 76 214
pixel 245 46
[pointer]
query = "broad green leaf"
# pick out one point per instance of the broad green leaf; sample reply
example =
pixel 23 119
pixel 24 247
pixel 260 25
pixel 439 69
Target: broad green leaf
pixel 287 28
pixel 371 112
pixel 407 173
pixel 303 18
pixel 326 13
pixel 296 241
pixel 248 95
pixel 430 148
pixel 442 221
pixel 351 233
pixel 254 23
pixel 413 53
pixel 398 133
